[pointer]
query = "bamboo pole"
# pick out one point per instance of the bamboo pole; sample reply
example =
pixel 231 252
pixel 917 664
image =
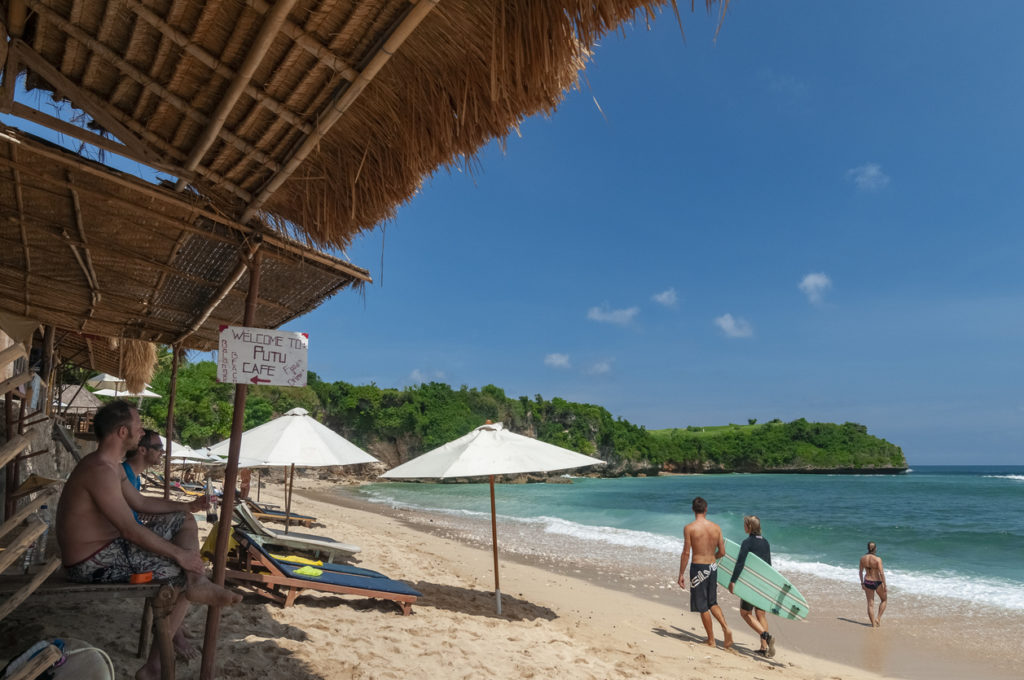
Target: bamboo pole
pixel 270 239
pixel 337 108
pixel 221 294
pixel 148 83
pixel 169 151
pixel 83 99
pixel 169 430
pixel 257 51
pixel 136 185
pixel 207 668
pixel 226 72
pixel 321 53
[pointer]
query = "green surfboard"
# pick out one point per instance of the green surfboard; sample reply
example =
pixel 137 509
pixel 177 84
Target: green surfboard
pixel 761 585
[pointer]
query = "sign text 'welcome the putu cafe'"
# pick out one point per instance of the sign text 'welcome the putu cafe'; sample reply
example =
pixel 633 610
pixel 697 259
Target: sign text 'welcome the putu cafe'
pixel 262 356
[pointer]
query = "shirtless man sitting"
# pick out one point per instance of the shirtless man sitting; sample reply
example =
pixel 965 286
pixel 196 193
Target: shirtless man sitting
pixel 872 580
pixel 704 540
pixel 100 540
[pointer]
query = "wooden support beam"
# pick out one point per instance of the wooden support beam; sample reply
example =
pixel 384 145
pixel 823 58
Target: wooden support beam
pixel 137 186
pixel 257 51
pixel 21 515
pixel 82 99
pixel 337 107
pixel 147 82
pixel 17 598
pixel 321 53
pixel 12 448
pixel 15 382
pixel 18 546
pixel 186 43
pixel 12 353
pixel 222 293
pixel 107 144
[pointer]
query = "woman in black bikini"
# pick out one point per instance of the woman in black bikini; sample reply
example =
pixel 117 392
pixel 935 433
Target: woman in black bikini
pixel 872 580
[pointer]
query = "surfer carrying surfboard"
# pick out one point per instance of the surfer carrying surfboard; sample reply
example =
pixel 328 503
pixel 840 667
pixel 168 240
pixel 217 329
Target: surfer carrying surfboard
pixel 754 616
pixel 704 540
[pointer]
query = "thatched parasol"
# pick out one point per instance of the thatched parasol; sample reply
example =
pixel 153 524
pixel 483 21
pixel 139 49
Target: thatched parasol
pixel 325 114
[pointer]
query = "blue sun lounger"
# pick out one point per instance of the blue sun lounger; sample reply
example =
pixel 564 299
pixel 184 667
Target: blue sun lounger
pixel 282 582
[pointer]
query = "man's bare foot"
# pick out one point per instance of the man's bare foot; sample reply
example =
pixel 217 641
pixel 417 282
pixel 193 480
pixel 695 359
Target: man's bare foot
pixel 148 672
pixel 727 639
pixel 711 642
pixel 203 591
pixel 184 648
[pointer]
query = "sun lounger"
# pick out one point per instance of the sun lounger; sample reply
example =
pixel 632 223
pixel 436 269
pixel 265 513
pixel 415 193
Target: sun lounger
pixel 265 512
pixel 319 546
pixel 283 582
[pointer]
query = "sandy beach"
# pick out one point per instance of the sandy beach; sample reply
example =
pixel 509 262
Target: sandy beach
pixel 558 621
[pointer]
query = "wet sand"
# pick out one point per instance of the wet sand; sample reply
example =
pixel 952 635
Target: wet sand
pixel 918 640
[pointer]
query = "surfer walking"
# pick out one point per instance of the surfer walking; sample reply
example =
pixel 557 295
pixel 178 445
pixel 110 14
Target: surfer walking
pixel 754 616
pixel 703 541
pixel 872 580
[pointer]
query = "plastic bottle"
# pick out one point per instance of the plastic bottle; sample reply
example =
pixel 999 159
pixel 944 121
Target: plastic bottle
pixel 41 543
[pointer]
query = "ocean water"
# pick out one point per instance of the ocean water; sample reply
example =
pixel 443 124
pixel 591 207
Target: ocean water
pixel 948 535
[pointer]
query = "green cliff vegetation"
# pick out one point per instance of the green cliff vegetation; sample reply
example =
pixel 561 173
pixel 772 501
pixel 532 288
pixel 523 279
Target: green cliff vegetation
pixel 396 425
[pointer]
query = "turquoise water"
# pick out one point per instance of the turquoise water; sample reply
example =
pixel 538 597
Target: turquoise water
pixel 943 532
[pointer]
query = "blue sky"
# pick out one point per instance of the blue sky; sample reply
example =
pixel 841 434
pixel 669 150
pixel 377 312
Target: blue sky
pixel 816 215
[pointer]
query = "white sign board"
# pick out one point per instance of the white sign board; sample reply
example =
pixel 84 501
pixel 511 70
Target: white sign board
pixel 261 356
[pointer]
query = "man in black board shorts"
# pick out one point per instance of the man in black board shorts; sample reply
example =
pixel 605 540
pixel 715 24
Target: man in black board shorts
pixel 704 540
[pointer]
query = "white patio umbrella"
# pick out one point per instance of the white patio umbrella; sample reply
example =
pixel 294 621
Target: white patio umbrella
pixel 295 439
pixel 144 394
pixel 490 450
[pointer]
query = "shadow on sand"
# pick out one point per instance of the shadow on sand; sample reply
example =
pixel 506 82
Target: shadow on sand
pixel 737 647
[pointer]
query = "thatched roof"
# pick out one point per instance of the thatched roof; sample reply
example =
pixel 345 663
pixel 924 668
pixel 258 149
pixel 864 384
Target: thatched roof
pixel 307 118
pixel 77 399
pixel 101 255
pixel 326 114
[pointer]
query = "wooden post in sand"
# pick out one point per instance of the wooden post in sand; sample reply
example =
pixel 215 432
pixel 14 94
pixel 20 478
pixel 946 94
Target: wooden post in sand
pixel 175 351
pixel 494 541
pixel 206 670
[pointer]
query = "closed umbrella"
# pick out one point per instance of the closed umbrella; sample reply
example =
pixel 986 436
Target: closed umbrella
pixel 490 450
pixel 295 439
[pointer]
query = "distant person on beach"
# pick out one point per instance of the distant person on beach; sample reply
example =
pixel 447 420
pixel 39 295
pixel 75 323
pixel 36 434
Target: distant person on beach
pixel 704 540
pixel 872 580
pixel 754 616
pixel 100 541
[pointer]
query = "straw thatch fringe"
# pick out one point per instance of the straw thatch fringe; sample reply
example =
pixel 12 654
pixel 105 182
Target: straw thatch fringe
pixel 138 362
pixel 469 72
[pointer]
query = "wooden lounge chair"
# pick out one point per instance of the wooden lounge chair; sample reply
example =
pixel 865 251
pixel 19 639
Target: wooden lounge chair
pixel 265 512
pixel 283 582
pixel 319 546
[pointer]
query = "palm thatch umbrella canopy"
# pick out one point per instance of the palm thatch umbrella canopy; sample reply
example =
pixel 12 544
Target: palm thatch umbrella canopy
pixel 325 114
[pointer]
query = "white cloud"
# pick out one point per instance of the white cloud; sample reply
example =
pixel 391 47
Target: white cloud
pixel 667 298
pixel 418 376
pixel 619 316
pixel 814 286
pixel 868 177
pixel 557 360
pixel 601 367
pixel 734 327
